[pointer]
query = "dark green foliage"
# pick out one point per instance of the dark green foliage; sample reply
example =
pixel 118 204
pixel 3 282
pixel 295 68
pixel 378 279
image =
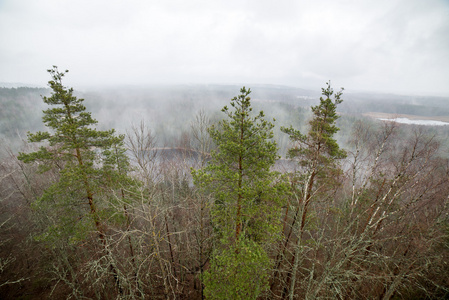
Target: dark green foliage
pixel 248 197
pixel 319 144
pixel 88 162
pixel 69 126
pixel 239 173
pixel 316 153
pixel 239 272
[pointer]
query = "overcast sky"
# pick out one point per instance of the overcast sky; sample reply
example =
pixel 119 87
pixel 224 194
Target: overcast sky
pixel 399 46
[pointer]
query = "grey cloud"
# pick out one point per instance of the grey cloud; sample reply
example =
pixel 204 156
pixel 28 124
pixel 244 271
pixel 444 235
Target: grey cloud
pixel 394 46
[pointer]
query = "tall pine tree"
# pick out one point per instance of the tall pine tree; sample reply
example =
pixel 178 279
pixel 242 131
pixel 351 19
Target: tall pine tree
pixel 248 197
pixel 76 149
pixel 91 164
pixel 317 153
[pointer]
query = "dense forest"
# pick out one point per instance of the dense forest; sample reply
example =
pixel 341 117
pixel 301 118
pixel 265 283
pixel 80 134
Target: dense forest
pixel 276 193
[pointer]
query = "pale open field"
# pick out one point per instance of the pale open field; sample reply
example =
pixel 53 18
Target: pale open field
pixel 378 115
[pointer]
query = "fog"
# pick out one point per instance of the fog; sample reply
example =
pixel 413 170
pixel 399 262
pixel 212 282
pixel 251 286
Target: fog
pixel 398 46
pixel 161 63
pixel 169 110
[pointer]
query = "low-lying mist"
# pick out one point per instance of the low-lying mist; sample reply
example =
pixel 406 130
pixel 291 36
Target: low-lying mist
pixel 170 110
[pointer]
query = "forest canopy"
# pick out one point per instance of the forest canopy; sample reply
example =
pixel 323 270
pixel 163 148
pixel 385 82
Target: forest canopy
pixel 302 198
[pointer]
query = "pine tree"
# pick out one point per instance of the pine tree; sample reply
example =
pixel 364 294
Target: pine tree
pixel 248 197
pixel 72 146
pixel 317 153
pixel 91 164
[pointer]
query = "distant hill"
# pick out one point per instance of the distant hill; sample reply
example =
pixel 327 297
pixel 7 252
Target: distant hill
pixel 18 85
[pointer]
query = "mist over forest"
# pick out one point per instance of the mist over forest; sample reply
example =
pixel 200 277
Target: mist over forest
pixel 169 110
pixel 196 195
pixel 207 149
